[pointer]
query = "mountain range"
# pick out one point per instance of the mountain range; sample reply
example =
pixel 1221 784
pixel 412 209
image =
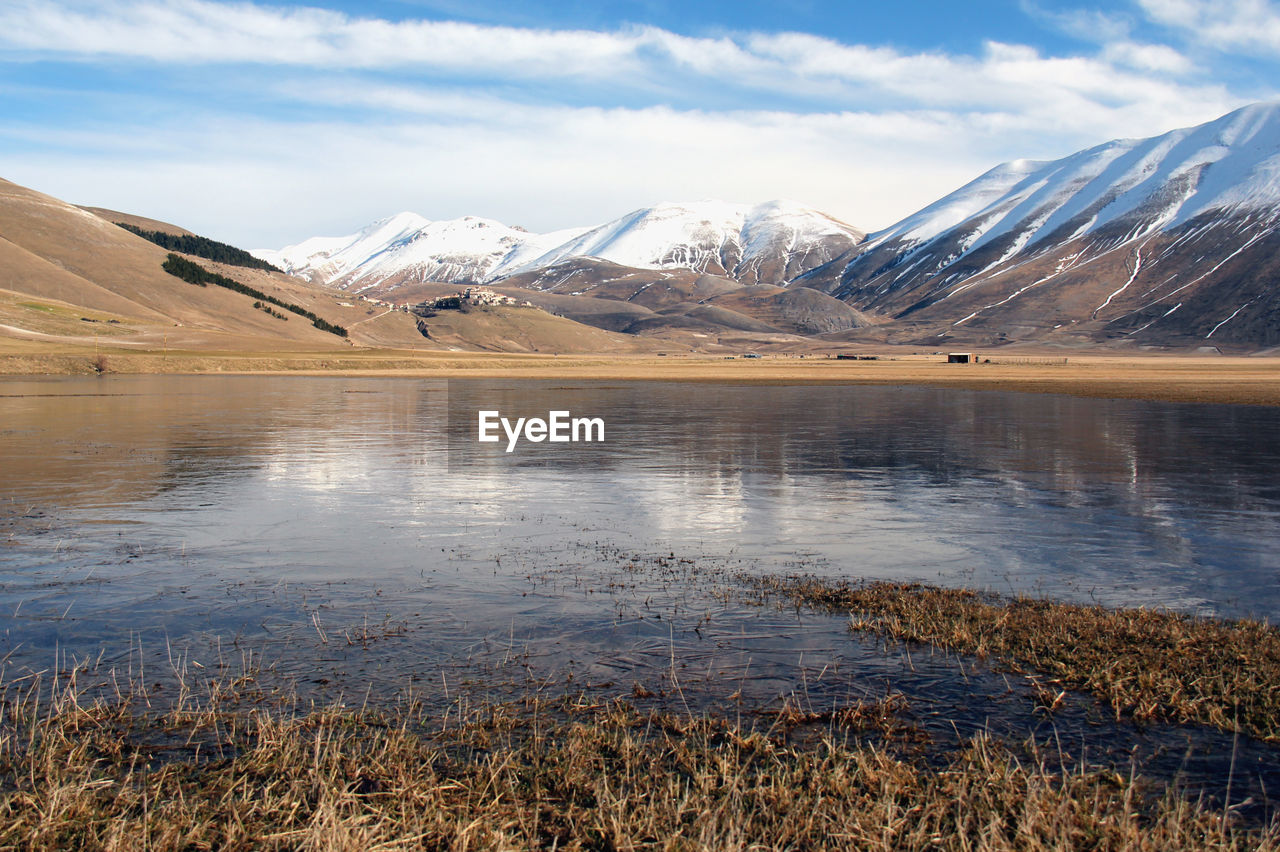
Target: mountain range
pixel 767 244
pixel 1169 240
pixel 1172 241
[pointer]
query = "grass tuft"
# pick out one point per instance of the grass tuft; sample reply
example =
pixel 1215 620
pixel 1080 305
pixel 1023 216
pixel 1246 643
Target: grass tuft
pixel 111 774
pixel 1147 664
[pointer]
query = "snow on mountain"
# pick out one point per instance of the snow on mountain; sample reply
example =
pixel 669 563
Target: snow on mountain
pixel 1171 237
pixel 705 236
pixel 774 241
pixel 1231 165
pixel 466 249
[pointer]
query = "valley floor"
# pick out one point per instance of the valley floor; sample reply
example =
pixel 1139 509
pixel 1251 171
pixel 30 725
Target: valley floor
pixel 1168 377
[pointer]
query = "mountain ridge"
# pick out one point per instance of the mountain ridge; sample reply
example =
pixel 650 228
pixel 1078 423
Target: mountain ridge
pixel 1089 242
pixel 765 243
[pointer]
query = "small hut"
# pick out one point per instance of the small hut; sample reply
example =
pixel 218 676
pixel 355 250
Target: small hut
pixel 960 358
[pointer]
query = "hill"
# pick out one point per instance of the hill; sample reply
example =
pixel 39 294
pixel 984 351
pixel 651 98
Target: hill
pixel 71 278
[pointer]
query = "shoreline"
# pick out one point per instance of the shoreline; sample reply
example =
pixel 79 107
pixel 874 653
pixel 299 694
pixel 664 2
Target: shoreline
pixel 584 775
pixel 227 760
pixel 1231 380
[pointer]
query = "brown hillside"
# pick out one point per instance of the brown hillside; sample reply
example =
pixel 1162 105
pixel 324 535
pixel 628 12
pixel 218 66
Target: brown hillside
pixel 71 278
pixel 55 251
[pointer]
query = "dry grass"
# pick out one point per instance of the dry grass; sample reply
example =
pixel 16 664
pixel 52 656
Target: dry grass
pixel 1144 663
pixel 82 774
pixel 1251 381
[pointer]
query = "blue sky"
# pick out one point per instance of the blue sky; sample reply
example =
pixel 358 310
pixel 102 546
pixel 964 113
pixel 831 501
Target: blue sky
pixel 263 123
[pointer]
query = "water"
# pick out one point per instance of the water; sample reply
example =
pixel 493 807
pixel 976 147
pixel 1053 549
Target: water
pixel 352 532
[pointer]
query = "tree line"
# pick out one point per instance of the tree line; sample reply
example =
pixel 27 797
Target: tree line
pixel 194 273
pixel 201 247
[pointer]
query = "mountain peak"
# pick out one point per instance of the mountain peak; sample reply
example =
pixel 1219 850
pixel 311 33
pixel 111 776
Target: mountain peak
pixel 405 220
pixel 1231 162
pixel 1168 236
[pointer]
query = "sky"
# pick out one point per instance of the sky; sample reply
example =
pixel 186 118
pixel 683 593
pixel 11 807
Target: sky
pixel 263 123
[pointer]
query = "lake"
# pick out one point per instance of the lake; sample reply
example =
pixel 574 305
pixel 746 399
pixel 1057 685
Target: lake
pixel 353 534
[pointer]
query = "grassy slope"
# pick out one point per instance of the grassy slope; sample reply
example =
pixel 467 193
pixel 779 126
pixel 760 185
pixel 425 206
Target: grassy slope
pixel 59 263
pixel 64 253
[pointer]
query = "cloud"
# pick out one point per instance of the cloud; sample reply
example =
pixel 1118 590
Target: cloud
pixel 286 122
pixel 806 72
pixel 267 183
pixel 1158 58
pixel 647 62
pixel 1089 25
pixel 195 32
pixel 1004 77
pixel 1251 26
pixel 202 32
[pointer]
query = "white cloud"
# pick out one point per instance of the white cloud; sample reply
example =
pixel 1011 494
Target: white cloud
pixel 893 131
pixel 1147 57
pixel 267 184
pixel 1085 24
pixel 203 32
pixel 1227 25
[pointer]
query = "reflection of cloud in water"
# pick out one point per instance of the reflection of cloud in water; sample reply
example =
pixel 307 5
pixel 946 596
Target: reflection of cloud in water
pixel 645 502
pixel 684 504
pixel 360 444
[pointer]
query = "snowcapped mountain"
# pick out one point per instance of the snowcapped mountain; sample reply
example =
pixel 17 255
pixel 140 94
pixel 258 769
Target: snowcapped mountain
pixel 1171 236
pixel 408 246
pixel 1170 240
pixel 769 243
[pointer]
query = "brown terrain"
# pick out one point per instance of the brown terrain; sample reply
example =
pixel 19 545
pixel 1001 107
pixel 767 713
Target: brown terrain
pixel 661 303
pixel 1209 283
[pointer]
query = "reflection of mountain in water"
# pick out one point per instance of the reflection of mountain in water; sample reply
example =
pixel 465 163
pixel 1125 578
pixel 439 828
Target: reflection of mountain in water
pixel 1123 500
pixel 1130 501
pixel 127 439
pixel 939 437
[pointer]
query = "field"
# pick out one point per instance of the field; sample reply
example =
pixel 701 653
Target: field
pixel 1174 378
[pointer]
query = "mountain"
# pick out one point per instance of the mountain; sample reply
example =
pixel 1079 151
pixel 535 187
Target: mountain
pixel 1166 240
pixel 649 301
pixel 766 244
